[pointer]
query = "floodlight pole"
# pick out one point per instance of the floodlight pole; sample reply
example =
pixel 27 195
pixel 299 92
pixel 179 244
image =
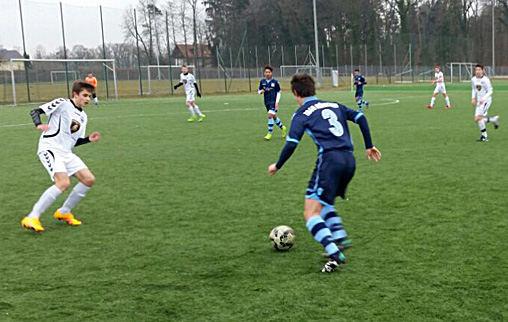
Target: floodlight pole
pixel 318 71
pixel 65 52
pixel 493 38
pixel 24 52
pixel 104 54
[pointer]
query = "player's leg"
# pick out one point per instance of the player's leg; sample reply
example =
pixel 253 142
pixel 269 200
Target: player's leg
pixel 278 122
pixel 86 180
pixel 447 99
pixel 433 99
pixel 334 223
pixel 193 116
pixel 359 101
pixel 95 99
pixel 494 120
pixel 270 123
pixel 49 196
pixel 480 115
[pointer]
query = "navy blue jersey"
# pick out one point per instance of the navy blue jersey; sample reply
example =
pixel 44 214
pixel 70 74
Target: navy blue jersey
pixel 272 90
pixel 325 122
pixel 359 82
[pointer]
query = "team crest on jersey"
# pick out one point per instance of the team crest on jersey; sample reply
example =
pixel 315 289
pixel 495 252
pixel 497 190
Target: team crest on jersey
pixel 185 81
pixel 273 85
pixel 478 87
pixel 75 126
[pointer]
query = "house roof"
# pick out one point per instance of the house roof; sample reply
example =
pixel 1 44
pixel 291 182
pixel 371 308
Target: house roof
pixel 182 51
pixel 8 54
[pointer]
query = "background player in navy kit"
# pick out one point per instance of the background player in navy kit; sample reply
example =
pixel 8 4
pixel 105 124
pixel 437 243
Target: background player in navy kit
pixel 326 124
pixel 270 87
pixel 360 81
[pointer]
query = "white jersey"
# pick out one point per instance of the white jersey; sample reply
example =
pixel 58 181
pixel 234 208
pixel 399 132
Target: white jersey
pixel 67 124
pixel 481 88
pixel 439 78
pixel 188 82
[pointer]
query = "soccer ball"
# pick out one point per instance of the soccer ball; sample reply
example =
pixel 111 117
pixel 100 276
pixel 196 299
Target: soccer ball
pixel 282 238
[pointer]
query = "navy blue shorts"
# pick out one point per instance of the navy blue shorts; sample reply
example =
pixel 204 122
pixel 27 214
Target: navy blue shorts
pixel 334 170
pixel 271 108
pixel 359 94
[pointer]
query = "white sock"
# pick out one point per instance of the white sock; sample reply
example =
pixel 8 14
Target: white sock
pixel 447 99
pixel 432 101
pixel 77 194
pixel 96 100
pixel 196 108
pixel 481 125
pixel 191 110
pixel 47 199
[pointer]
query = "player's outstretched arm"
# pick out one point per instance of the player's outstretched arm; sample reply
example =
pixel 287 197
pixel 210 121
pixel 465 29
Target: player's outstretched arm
pixel 371 151
pixel 94 137
pixel 177 85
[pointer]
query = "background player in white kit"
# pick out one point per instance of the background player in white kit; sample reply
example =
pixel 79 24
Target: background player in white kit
pixel 64 130
pixel 440 88
pixel 481 97
pixel 191 89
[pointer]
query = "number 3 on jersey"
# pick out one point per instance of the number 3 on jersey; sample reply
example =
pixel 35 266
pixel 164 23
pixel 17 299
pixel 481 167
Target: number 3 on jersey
pixel 336 128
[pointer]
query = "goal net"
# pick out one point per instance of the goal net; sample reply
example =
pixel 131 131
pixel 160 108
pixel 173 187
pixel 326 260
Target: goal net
pixel 41 80
pixel 160 79
pixel 60 76
pixel 287 71
pixel 461 72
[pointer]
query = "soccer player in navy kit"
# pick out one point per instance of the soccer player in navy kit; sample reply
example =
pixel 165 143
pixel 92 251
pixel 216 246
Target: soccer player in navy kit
pixel 270 87
pixel 326 124
pixel 360 81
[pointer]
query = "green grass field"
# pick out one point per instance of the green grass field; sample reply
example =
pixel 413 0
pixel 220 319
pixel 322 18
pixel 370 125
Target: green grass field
pixel 176 227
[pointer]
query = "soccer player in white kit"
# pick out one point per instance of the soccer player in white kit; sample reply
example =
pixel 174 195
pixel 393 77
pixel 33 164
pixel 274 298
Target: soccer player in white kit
pixel 481 97
pixel 440 88
pixel 191 89
pixel 65 129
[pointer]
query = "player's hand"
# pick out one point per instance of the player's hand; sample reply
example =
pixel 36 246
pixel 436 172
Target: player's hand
pixel 373 154
pixel 261 92
pixel 276 106
pixel 481 101
pixel 175 87
pixel 199 95
pixel 94 137
pixel 473 101
pixel 272 169
pixel 433 82
pixel 43 127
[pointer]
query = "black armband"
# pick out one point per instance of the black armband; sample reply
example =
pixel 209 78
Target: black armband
pixel 81 141
pixel 177 85
pixel 286 153
pixel 36 116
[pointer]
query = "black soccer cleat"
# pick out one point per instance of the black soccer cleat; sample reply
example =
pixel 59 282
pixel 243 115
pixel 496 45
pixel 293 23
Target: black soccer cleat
pixel 483 139
pixel 332 263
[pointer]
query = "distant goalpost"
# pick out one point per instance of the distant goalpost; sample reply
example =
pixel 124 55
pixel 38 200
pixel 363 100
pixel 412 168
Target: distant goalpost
pixel 463 71
pixel 108 64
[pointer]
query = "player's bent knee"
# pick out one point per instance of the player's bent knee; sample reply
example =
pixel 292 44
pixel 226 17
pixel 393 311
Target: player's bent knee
pixel 62 184
pixel 89 180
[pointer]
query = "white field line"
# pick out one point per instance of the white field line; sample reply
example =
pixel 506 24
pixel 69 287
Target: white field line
pixel 390 102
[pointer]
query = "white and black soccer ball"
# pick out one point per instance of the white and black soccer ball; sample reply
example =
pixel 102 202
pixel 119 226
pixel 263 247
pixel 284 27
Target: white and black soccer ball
pixel 282 238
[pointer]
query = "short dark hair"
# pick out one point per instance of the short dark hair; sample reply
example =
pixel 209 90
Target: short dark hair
pixel 183 65
pixel 303 85
pixel 81 85
pixel 270 68
pixel 479 65
pixel 357 70
pixel 437 66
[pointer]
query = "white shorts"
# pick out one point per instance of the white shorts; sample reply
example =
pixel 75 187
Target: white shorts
pixel 55 162
pixel 483 109
pixel 190 96
pixel 440 88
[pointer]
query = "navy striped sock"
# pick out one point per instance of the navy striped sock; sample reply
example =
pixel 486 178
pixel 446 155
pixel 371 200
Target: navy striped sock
pixel 333 222
pixel 317 227
pixel 278 123
pixel 270 125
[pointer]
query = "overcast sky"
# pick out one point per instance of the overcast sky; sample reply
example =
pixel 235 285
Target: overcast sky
pixel 43 27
